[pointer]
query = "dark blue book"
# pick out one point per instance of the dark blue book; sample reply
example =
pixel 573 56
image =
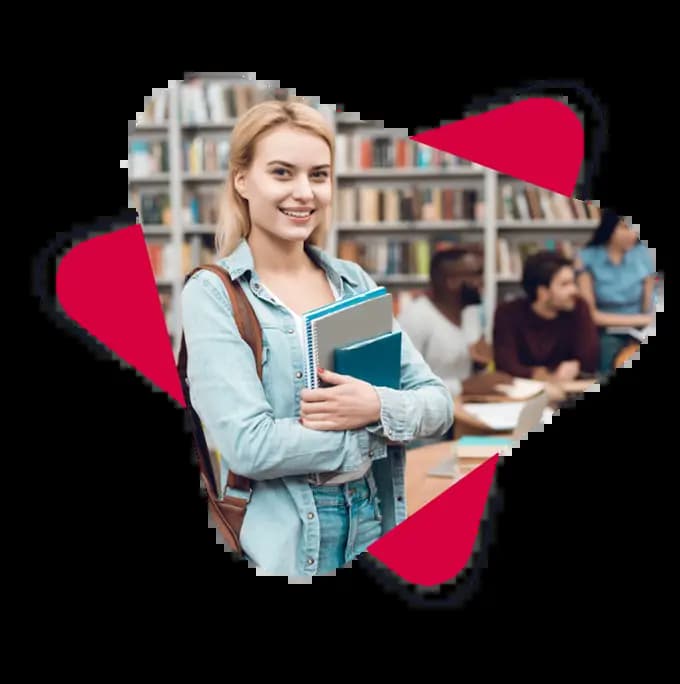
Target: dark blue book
pixel 376 360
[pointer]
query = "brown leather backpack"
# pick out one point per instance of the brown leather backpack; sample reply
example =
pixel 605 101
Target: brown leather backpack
pixel 227 511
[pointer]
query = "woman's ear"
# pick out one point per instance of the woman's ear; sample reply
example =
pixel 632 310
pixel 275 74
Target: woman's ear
pixel 240 183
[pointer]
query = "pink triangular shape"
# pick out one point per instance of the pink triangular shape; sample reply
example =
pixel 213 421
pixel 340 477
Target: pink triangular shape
pixel 538 140
pixel 435 543
pixel 107 285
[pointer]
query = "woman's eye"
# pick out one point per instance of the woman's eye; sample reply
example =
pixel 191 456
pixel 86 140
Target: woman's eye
pixel 280 171
pixel 321 174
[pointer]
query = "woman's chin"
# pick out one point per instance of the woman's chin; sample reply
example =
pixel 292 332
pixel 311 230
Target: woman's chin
pixel 297 233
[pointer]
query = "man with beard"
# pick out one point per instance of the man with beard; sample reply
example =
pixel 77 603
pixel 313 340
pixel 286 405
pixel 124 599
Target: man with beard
pixel 550 335
pixel 446 325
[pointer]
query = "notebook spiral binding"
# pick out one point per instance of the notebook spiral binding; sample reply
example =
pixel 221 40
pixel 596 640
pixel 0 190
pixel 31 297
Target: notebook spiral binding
pixel 312 356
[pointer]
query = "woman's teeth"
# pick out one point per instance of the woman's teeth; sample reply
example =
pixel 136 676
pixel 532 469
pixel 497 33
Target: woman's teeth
pixel 297 214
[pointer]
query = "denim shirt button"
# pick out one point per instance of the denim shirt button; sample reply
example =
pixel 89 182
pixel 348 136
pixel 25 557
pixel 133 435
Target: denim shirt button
pixel 310 561
pixel 290 331
pixel 298 375
pixel 310 516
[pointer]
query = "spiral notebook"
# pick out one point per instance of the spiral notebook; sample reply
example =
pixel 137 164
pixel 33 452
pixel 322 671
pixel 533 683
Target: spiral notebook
pixel 342 323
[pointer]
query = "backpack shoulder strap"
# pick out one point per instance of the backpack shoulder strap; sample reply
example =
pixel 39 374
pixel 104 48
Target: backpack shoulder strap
pixel 251 331
pixel 246 320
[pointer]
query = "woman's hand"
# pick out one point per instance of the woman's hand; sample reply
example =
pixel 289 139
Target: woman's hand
pixel 350 404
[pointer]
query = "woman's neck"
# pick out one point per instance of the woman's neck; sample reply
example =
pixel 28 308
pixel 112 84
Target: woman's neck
pixel 277 257
pixel 615 254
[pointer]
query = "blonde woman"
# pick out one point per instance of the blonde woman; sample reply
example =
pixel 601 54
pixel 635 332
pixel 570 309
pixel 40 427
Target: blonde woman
pixel 327 464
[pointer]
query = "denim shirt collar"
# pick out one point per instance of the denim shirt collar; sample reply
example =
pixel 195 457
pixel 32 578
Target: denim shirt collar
pixel 241 261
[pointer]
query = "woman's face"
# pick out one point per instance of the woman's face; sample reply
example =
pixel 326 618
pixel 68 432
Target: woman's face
pixel 624 237
pixel 288 185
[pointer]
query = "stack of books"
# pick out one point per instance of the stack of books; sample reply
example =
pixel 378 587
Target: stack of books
pixel 354 337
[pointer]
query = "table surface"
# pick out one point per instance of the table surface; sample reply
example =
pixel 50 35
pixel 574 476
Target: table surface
pixel 421 488
pixel 467 424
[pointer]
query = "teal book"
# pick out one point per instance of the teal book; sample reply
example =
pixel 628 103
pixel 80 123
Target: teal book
pixel 484 440
pixel 376 360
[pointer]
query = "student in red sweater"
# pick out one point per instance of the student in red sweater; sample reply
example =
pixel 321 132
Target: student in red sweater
pixel 549 335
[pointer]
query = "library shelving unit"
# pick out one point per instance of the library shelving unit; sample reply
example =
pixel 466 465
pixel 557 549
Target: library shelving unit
pixel 395 201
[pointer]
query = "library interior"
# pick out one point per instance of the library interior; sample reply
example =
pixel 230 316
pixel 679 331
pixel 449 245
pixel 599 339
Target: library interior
pixel 517 297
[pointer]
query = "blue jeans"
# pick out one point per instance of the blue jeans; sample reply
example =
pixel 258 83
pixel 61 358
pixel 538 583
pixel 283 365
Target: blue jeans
pixel 610 345
pixel 350 520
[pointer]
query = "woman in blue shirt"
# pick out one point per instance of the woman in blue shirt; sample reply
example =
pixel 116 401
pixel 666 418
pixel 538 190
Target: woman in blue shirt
pixel 617 278
pixel 328 464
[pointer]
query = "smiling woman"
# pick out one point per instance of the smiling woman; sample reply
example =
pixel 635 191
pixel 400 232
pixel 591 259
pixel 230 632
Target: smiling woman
pixel 285 152
pixel 327 466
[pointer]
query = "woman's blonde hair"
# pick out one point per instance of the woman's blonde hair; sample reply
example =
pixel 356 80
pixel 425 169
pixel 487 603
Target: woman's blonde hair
pixel 233 221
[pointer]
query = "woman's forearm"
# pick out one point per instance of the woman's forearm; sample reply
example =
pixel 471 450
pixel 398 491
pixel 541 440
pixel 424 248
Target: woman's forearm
pixel 603 319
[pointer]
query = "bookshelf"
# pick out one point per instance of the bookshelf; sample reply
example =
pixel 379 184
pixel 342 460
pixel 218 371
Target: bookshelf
pixel 395 201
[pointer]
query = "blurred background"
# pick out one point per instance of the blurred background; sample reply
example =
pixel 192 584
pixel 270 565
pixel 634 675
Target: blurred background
pixel 396 202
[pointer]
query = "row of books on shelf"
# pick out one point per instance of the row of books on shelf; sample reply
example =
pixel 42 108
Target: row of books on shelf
pixel 428 202
pixel 154 207
pixel 148 157
pixel 205 154
pixel 388 257
pixel 385 257
pixel 206 101
pixel 160 256
pixel 360 151
pixel 208 154
pixel 370 206
pixel 511 255
pixel 417 202
pixel 522 201
pixel 199 155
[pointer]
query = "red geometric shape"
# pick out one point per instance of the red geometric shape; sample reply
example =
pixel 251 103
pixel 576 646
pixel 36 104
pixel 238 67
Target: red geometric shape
pixel 538 140
pixel 107 285
pixel 435 543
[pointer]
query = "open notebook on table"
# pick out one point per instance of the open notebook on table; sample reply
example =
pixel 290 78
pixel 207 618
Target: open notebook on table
pixel 520 418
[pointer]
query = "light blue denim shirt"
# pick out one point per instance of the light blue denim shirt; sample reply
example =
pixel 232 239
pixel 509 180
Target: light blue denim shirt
pixel 255 426
pixel 618 287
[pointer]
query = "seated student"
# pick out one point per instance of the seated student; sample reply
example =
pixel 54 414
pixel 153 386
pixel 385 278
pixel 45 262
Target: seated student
pixel 616 277
pixel 446 325
pixel 550 334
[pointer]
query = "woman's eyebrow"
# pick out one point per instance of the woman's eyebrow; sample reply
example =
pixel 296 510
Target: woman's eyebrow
pixel 292 166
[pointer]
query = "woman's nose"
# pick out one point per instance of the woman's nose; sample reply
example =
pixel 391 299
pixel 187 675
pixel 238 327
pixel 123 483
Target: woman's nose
pixel 302 188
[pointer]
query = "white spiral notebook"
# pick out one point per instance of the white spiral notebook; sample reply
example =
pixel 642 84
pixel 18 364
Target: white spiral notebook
pixel 347 321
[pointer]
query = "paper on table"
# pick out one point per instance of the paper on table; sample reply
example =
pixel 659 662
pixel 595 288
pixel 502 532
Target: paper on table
pixel 522 388
pixel 547 416
pixel 499 415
